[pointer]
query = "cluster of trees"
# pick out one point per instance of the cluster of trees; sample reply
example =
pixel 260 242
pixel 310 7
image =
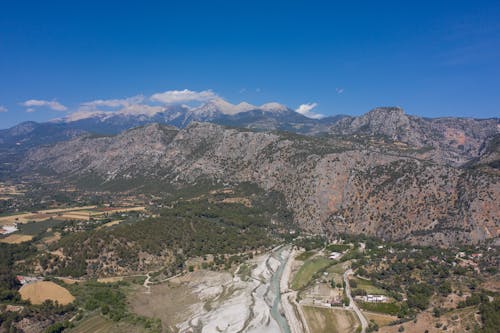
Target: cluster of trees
pixel 419 295
pixel 190 228
pixel 47 311
pixel 109 300
pixel 10 253
pixel 490 316
pixel 310 243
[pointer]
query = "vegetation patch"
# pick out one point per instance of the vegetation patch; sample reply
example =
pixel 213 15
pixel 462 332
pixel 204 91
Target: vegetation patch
pixel 305 255
pixel 310 270
pixel 387 308
pixel 189 229
pixel 367 286
pixel 110 301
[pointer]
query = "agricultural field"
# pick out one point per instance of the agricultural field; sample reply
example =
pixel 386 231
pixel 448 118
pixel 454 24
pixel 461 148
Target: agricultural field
pixel 386 308
pixel 381 319
pixel 74 213
pixel 16 239
pixel 308 271
pixel 39 292
pixel 325 320
pixel 99 324
pixel 110 224
pixel 366 285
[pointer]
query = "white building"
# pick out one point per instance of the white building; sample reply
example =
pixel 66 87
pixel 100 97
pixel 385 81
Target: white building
pixel 375 298
pixel 335 255
pixel 8 229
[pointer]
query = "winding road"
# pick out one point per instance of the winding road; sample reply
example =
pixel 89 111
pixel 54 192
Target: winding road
pixel 352 304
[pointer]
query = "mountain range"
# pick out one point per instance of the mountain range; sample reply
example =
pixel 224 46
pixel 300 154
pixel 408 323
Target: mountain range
pixel 270 116
pixel 385 173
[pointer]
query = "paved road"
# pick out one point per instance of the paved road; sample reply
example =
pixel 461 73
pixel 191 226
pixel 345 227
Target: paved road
pixel 352 304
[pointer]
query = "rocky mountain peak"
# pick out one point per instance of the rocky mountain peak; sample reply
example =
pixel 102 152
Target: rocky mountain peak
pixel 386 121
pixel 273 107
pixel 386 110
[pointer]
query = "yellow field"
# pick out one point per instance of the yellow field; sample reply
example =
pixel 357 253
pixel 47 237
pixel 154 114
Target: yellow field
pixel 16 239
pixel 325 320
pixel 23 218
pixel 125 209
pixel 75 216
pixel 244 201
pixel 74 213
pixel 60 210
pixel 39 292
pixel 109 224
pixel 10 190
pixel 379 318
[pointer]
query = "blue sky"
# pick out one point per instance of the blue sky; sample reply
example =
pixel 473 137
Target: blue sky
pixel 439 58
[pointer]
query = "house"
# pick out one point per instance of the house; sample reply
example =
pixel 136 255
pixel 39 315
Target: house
pixel 335 255
pixel 26 279
pixel 336 300
pixel 374 298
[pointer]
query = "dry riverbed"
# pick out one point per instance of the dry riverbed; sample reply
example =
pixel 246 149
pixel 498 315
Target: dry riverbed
pixel 206 301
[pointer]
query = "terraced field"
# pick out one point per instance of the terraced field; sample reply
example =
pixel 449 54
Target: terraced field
pixel 98 324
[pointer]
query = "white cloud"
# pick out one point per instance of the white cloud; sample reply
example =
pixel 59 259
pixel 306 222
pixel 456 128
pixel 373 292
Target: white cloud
pixel 183 96
pixel 3 108
pixel 339 90
pixel 305 110
pixel 34 103
pixel 136 109
pixel 112 103
pixel 107 107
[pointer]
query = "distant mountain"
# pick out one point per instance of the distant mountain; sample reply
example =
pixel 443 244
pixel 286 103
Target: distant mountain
pixel 454 141
pixel 270 116
pixel 448 140
pixel 331 184
pixel 29 134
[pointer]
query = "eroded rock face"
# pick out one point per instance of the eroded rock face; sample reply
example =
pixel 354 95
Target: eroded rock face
pixel 453 140
pixel 332 185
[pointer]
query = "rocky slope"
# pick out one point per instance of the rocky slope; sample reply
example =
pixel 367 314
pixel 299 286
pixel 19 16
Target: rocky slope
pixel 453 140
pixel 331 184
